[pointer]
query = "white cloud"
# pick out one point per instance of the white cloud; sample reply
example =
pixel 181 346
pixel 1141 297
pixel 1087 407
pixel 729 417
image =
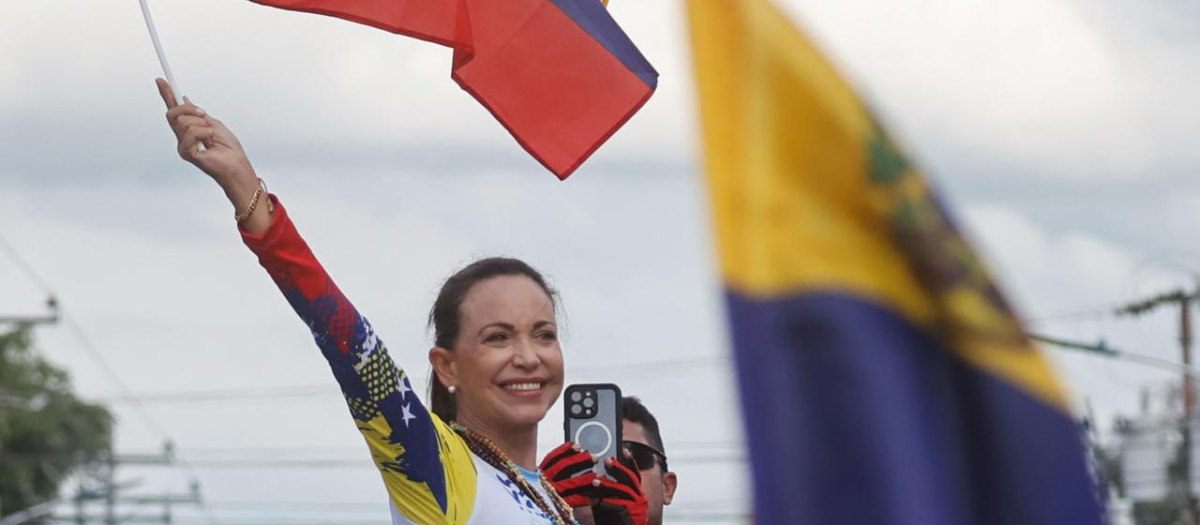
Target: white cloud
pixel 1066 89
pixel 1077 90
pixel 1182 216
pixel 1062 271
pixel 11 91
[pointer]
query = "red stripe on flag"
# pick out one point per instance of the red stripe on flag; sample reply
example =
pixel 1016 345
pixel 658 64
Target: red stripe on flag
pixel 556 89
pixel 432 20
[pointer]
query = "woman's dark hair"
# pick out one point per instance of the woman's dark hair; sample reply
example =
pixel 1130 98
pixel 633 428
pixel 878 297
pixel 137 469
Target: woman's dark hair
pixel 445 317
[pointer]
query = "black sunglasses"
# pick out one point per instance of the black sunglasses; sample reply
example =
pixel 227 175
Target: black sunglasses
pixel 643 455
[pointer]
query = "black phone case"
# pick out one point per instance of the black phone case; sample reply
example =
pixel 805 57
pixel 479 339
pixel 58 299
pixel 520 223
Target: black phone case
pixel 596 428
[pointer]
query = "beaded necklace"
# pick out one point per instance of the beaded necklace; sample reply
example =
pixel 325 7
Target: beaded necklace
pixel 492 455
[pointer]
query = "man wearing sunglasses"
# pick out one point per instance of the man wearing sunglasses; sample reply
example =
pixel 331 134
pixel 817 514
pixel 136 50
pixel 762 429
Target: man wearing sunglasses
pixel 635 489
pixel 639 433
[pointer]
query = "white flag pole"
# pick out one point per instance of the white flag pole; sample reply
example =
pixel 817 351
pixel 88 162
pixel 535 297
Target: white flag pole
pixel 162 56
pixel 158 49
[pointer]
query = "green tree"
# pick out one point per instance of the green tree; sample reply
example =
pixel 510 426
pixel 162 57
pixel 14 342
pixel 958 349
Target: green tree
pixel 46 432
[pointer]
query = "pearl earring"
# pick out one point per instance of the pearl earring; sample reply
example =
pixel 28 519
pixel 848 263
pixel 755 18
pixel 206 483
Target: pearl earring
pixel 452 389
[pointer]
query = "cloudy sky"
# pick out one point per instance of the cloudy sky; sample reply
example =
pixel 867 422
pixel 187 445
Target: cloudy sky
pixel 1063 133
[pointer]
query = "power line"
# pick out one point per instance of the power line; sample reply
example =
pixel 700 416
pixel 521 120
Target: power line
pixel 328 390
pixel 226 394
pixel 683 448
pixel 327 463
pixel 1139 308
pixel 1116 309
pixel 25 266
pixel 141 410
pixel 1084 313
pixel 51 301
pixel 1101 348
pixel 86 342
pixel 130 518
pixel 79 334
pixel 349 509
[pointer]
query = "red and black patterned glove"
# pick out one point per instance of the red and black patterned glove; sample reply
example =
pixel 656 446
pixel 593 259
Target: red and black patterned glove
pixel 620 500
pixel 561 467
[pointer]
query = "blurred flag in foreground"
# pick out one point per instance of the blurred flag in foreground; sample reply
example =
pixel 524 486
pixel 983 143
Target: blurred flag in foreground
pixel 560 75
pixel 883 378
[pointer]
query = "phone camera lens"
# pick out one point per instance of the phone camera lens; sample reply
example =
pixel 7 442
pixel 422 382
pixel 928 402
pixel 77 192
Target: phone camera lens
pixel 575 396
pixel 589 402
pixel 576 409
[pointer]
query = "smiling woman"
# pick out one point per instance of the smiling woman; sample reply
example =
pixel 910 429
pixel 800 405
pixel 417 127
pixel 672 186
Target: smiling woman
pixel 499 314
pixel 497 365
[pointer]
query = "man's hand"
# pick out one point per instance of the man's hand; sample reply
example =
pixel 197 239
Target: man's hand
pixel 616 501
pixel 620 501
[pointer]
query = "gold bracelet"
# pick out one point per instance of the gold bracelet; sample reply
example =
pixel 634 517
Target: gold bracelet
pixel 262 187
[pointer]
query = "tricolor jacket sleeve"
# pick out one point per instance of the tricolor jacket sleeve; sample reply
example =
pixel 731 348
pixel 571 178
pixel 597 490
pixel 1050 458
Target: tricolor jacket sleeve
pixel 426 467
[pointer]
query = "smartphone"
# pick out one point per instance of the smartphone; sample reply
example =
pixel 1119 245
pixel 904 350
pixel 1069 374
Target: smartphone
pixel 592 419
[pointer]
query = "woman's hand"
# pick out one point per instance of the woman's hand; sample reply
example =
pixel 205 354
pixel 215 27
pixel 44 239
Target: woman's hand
pixel 222 157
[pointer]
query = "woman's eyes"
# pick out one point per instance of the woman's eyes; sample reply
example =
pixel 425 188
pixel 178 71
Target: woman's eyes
pixel 501 337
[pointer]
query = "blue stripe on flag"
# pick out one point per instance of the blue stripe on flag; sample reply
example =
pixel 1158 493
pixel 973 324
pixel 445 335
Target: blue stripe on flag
pixel 854 416
pixel 594 18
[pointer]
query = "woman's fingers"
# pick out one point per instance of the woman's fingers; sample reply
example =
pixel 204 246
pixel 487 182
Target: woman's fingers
pixel 191 120
pixel 206 142
pixel 165 91
pixel 188 147
pixel 182 123
pixel 184 116
pixel 174 113
pixel 223 132
pixel 195 109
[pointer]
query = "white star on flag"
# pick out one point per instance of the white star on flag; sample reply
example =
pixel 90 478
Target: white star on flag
pixel 406 415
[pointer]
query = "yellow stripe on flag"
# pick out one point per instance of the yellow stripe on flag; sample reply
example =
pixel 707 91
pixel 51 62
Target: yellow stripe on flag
pixel 810 195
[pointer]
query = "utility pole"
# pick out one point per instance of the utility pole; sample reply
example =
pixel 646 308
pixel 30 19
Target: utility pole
pixel 1185 341
pixel 80 518
pixel 30 320
pixel 111 492
pixel 110 488
pixel 1183 300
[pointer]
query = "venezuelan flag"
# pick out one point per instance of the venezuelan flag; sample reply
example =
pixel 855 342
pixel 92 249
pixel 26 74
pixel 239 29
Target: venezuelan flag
pixel 884 380
pixel 560 75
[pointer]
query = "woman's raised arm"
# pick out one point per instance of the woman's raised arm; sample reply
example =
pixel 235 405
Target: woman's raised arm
pixel 426 468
